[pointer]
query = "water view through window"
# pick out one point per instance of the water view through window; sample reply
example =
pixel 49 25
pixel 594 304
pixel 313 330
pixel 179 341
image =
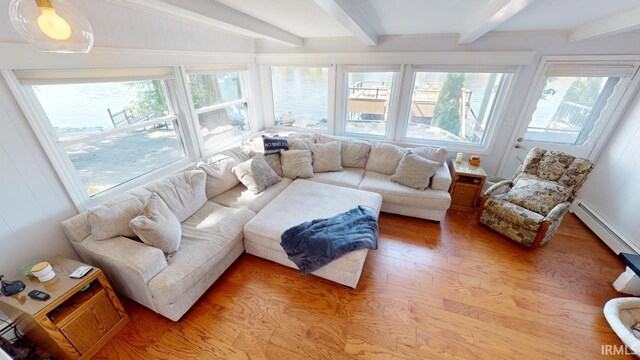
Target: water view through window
pixel 301 96
pixel 87 119
pixel 452 107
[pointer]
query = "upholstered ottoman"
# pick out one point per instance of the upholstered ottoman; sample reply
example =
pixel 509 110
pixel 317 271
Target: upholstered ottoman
pixel 302 201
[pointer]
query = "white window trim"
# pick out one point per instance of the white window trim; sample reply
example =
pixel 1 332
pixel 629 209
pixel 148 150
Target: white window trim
pixel 496 117
pixel 394 99
pixel 269 106
pixel 224 141
pixel 39 122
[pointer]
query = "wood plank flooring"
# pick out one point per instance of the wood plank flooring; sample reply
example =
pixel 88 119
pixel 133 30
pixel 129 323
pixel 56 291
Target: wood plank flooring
pixel 455 290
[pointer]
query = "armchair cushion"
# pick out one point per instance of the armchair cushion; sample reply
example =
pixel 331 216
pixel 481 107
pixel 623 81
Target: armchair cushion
pixel 499 188
pixel 513 213
pixel 535 194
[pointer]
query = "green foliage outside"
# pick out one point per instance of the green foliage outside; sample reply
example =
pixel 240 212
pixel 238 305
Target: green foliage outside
pixel 584 91
pixel 446 114
pixel 151 102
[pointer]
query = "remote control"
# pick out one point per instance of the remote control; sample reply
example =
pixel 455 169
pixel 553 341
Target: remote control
pixel 80 272
pixel 38 295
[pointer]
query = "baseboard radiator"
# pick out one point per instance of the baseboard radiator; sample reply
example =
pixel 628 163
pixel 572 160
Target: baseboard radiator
pixel 603 229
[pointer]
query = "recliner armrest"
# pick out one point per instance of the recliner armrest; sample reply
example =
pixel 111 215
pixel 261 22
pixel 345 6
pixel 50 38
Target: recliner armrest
pixel 147 261
pixel 498 188
pixel 557 212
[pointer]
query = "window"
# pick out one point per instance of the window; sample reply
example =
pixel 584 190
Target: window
pixel 368 99
pixel 454 107
pixel 300 97
pixel 112 131
pixel 220 105
pixel 568 108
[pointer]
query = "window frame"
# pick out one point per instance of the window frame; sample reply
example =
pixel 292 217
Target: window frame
pixel 496 116
pixel 268 99
pixel 69 176
pixel 394 99
pixel 193 113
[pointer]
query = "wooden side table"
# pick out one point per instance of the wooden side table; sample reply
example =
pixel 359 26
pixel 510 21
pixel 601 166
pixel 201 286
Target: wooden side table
pixel 466 185
pixel 72 323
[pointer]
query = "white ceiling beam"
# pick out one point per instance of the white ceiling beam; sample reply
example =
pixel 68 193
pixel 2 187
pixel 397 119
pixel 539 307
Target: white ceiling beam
pixel 347 13
pixel 498 11
pixel 213 14
pixel 615 24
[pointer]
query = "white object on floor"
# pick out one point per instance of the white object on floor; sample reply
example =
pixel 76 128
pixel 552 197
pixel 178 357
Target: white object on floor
pixel 628 283
pixel 623 314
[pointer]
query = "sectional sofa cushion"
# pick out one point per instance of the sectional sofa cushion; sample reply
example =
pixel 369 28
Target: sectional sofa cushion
pixel 394 193
pixel 240 197
pixel 349 177
pixel 415 171
pixel 355 153
pixel 326 157
pixel 157 226
pixel 385 158
pixel 300 143
pixel 184 192
pixel 441 180
pixel 112 218
pixel 296 164
pixel 208 236
pixel 218 169
pixel 273 144
pixel 256 174
pixel 275 163
pixel 433 153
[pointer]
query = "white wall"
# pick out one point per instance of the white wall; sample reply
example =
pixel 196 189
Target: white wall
pixel 612 189
pixel 543 43
pixel 32 199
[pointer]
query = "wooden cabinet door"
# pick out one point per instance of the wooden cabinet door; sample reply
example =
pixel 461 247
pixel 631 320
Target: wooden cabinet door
pixel 86 329
pixel 465 195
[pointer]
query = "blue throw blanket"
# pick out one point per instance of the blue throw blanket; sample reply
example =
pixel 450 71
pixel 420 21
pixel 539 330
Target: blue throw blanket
pixel 313 244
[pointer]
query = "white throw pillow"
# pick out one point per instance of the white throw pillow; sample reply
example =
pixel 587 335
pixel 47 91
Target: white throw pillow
pixel 433 153
pixel 296 163
pixel 415 171
pixel 385 158
pixel 157 226
pixel 326 157
pixel 256 174
pixel 218 169
pixel 112 218
pixel 355 153
pixel 300 143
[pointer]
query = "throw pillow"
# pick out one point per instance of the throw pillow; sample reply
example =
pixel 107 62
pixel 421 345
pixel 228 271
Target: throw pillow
pixel 256 174
pixel 112 218
pixel 296 163
pixel 218 170
pixel 415 171
pixel 385 158
pixel 433 153
pixel 326 157
pixel 300 143
pixel 355 153
pixel 274 161
pixel 274 144
pixel 157 226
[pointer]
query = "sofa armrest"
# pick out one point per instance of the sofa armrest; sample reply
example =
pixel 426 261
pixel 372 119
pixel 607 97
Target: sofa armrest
pixel 498 188
pixel 558 212
pixel 441 180
pixel 144 260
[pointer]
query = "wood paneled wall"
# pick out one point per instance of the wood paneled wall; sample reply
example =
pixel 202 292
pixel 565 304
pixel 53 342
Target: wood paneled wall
pixel 32 199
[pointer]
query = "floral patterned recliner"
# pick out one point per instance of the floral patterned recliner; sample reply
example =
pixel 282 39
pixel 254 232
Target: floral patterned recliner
pixel 529 208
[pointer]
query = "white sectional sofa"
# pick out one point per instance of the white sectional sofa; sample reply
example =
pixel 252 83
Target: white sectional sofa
pixel 213 208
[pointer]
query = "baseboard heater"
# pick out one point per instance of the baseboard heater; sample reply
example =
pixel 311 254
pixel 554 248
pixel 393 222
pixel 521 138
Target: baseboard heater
pixel 602 229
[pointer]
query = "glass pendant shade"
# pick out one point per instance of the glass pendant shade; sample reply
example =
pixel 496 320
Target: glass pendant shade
pixel 52 25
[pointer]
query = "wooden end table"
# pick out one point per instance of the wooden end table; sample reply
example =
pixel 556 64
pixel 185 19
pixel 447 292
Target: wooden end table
pixel 466 185
pixel 71 324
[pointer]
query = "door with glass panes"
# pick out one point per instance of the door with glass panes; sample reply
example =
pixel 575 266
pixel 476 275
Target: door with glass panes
pixel 569 110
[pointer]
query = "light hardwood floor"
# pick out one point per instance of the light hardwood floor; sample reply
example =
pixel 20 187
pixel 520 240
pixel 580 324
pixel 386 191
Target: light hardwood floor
pixel 454 290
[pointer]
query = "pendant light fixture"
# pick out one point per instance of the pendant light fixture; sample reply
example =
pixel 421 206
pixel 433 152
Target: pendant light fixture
pixel 52 25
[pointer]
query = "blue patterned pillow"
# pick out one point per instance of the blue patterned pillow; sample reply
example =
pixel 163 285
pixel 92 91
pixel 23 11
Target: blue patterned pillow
pixel 273 144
